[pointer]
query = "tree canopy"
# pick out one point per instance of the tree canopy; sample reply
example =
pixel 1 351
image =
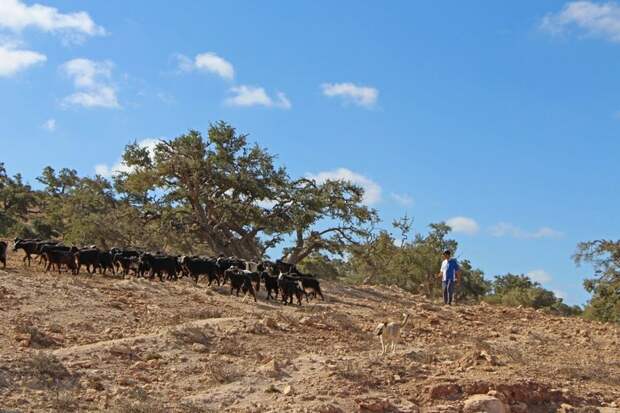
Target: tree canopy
pixel 604 285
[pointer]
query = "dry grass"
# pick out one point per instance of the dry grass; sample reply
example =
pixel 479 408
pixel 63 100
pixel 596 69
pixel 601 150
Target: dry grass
pixel 47 365
pixel 65 402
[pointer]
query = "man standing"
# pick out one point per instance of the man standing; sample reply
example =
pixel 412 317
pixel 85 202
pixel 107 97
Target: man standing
pixel 449 274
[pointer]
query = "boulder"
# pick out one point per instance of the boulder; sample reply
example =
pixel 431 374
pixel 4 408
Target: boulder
pixel 483 403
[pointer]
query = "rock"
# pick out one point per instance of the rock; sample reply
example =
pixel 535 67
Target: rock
pixel 287 390
pixel 519 407
pixel 272 389
pixel 270 323
pixel 483 403
pixel 446 391
pixel 271 368
pixel 329 408
pixel 125 381
pixel 121 349
pixel 139 365
pixel 375 406
pixel 199 348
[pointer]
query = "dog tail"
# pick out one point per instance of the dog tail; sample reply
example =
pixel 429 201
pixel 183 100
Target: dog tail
pixel 405 319
pixel 379 329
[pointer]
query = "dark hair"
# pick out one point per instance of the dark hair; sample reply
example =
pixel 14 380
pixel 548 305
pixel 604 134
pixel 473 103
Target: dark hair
pixel 447 252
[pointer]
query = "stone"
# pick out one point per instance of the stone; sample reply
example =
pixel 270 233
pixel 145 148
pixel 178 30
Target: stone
pixel 199 348
pixel 375 406
pixel 288 389
pixel 445 391
pixel 519 407
pixel 483 403
pixel 329 408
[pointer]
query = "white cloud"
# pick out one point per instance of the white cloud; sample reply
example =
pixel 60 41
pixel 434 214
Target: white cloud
pixel 351 93
pixel 540 276
pixel 13 60
pixel 208 62
pixel 50 125
pixel 595 19
pixel 92 79
pixel 372 190
pixel 16 16
pixel 560 294
pixel 465 225
pixel 120 166
pixel 503 229
pixel 403 199
pixel 245 96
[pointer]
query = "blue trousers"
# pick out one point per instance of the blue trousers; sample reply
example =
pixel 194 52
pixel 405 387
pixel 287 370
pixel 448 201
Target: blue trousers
pixel 448 291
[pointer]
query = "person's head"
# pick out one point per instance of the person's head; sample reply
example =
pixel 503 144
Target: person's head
pixel 447 254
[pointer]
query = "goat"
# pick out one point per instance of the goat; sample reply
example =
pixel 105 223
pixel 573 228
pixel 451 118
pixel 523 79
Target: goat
pixel 106 262
pixel 289 288
pixel 87 257
pixel 271 284
pixel 3 248
pixel 309 284
pixel 196 266
pixel 60 258
pixel 389 333
pixel 159 264
pixel 239 281
pixel 255 277
pixel 29 247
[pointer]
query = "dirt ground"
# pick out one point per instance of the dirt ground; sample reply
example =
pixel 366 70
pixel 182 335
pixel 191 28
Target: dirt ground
pixel 103 343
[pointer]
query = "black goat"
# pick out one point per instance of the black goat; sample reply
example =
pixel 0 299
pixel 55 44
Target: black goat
pixel 160 264
pixel 239 281
pixel 3 248
pixel 60 258
pixel 106 262
pixel 196 266
pixel 125 260
pixel 29 246
pixel 89 258
pixel 271 284
pixel 289 288
pixel 309 285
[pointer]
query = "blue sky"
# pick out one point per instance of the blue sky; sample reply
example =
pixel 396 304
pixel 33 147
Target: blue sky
pixel 500 117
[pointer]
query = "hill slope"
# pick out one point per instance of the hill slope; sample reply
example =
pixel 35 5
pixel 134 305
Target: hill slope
pixel 91 343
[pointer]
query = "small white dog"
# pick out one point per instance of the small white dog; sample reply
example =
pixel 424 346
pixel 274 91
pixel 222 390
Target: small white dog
pixel 389 333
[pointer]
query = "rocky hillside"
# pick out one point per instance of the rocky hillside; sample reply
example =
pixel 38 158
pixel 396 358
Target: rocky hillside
pixel 95 343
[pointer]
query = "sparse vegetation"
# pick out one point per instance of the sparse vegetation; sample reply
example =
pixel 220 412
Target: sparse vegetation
pixel 48 366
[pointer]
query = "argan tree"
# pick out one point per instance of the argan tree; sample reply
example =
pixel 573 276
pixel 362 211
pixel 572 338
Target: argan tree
pixel 604 285
pixel 228 197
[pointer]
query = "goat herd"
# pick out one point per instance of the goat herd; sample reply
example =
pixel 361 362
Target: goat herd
pixel 244 276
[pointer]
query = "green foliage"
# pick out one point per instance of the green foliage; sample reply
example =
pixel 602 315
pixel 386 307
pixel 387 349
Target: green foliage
pixel 604 257
pixel 16 201
pixel 323 266
pixel 191 194
pixel 413 265
pixel 520 290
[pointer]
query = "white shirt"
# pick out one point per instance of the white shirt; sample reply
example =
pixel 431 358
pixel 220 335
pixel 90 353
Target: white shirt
pixel 444 269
